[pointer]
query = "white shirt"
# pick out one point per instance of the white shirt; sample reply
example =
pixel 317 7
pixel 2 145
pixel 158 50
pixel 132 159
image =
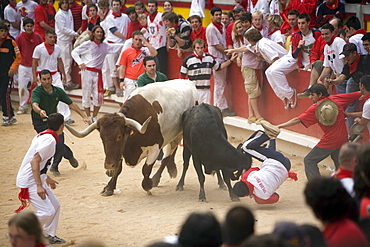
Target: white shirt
pixel 44 145
pixel 214 37
pixel 12 15
pixel 270 50
pixel 332 58
pixel 26 10
pixel 268 179
pixel 197 8
pixel 366 112
pixel 274 7
pixel 277 37
pixel 157 32
pixel 261 5
pixel 356 39
pixel 249 58
pixel 92 55
pixel 121 23
pixel 64 25
pixel 47 61
pixel 308 43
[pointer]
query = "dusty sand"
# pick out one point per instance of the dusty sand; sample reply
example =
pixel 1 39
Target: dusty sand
pixel 130 217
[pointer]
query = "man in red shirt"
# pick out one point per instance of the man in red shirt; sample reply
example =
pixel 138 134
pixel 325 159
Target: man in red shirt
pixel 197 30
pixel 26 41
pixel 335 135
pixel 76 10
pixel 134 24
pixel 132 62
pixel 44 18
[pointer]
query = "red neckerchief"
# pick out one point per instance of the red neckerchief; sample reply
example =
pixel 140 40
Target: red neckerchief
pixel 334 5
pixel 98 43
pixel 199 57
pixel 332 39
pixel 136 48
pixel 24 197
pixel 354 65
pixel 360 31
pixel 40 245
pixel 49 48
pixel 29 37
pixel 342 173
pixel 152 16
pixel 100 82
pixel 52 132
pixel 116 15
pixel 365 97
pixel 219 26
pixel 94 20
pixel 11 5
pixel 254 2
pixel 270 33
pixel 259 29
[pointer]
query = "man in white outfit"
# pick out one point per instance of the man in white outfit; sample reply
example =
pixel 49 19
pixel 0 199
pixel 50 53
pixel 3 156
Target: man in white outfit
pixel 34 183
pixel 117 24
pixel 66 35
pixel 216 40
pixel 90 58
pixel 47 55
pixel 11 14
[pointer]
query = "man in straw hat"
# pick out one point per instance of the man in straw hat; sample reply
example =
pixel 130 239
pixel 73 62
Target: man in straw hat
pixel 327 111
pixel 261 183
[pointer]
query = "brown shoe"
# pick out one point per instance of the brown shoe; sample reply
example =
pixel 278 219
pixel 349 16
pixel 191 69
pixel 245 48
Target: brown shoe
pixel 270 129
pixel 304 94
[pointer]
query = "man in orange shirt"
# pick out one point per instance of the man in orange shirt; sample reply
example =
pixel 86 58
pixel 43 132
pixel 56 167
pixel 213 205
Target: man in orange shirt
pixel 131 62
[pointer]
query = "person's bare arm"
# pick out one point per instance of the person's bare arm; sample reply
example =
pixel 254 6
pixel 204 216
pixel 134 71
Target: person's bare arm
pixel 291 122
pixel 220 48
pixel 45 26
pixel 35 62
pixel 61 69
pixel 152 50
pixel 35 165
pixel 362 121
pixel 36 108
pixel 77 109
pixel 119 35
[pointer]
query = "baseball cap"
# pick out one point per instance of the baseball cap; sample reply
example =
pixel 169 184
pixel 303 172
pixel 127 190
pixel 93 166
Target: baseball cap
pixel 348 48
pixel 238 8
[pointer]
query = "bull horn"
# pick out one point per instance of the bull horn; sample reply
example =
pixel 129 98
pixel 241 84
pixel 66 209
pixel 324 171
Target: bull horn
pixel 136 125
pixel 81 134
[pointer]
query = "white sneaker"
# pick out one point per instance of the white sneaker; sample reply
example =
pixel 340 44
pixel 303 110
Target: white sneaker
pixel 94 119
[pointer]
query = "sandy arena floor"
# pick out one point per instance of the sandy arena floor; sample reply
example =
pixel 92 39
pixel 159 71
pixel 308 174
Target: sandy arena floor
pixel 130 217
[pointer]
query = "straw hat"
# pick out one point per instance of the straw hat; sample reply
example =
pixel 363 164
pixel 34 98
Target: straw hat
pixel 327 112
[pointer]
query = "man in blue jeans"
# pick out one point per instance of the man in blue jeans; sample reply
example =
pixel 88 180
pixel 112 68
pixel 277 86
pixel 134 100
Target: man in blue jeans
pixel 326 111
pixel 44 101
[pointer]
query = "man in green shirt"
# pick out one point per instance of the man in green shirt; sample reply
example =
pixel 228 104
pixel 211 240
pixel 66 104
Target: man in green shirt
pixel 151 74
pixel 44 101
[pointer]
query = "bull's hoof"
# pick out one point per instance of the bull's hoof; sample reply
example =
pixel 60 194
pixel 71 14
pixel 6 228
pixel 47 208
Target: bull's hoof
pixel 156 179
pixel 172 172
pixel 110 173
pixel 106 192
pixel 222 187
pixel 147 184
pixel 179 188
pixel 235 199
pixel 202 200
pixel 149 193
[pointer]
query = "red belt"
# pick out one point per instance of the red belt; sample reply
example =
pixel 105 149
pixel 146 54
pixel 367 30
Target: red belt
pixel 100 83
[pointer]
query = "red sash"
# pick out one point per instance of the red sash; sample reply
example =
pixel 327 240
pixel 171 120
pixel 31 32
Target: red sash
pixel 100 84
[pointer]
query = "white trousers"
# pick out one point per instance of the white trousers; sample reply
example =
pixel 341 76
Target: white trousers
pixel 63 108
pixel 204 96
pixel 109 66
pixel 66 49
pixel 48 210
pixel 25 76
pixel 89 80
pixel 130 86
pixel 219 88
pixel 276 76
